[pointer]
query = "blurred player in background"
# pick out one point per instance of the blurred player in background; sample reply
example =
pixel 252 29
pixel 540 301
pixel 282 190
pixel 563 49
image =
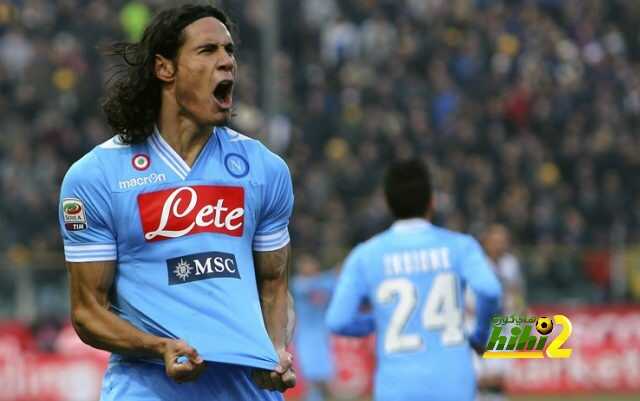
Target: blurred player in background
pixel 492 372
pixel 413 275
pixel 497 243
pixel 175 230
pixel 312 289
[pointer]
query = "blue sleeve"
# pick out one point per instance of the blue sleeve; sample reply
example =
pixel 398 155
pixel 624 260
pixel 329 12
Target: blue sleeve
pixel 85 213
pixel 277 205
pixel 344 316
pixel 477 272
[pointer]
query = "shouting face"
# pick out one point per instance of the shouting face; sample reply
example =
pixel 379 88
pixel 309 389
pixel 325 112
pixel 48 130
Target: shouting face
pixel 204 73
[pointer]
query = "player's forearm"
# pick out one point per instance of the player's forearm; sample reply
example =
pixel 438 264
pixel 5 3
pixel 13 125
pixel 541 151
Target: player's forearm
pixel 291 319
pixel 274 300
pixel 101 328
pixel 272 270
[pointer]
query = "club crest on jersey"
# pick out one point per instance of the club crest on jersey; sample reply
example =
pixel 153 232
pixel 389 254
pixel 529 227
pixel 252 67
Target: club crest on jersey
pixel 141 162
pixel 201 266
pixel 73 214
pixel 236 165
pixel 178 212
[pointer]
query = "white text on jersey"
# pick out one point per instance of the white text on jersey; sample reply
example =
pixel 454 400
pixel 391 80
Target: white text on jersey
pixel 153 178
pixel 416 261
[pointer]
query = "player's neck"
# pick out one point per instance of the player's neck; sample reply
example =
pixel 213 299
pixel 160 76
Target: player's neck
pixel 184 136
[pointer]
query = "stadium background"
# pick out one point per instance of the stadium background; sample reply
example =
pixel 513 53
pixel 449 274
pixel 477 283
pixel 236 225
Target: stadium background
pixel 527 112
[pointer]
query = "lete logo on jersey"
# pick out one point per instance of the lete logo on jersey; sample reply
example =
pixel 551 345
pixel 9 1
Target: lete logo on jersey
pixel 177 212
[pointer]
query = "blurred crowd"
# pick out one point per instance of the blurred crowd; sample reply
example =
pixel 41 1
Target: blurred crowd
pixel 527 112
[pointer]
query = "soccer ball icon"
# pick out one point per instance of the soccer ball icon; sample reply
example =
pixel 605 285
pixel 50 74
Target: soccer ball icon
pixel 544 325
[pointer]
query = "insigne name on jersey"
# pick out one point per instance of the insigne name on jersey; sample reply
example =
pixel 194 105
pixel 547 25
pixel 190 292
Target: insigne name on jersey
pixel 177 212
pixel 73 214
pixel 201 266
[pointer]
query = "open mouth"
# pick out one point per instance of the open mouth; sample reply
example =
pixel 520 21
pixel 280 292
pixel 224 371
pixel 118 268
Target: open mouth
pixel 222 93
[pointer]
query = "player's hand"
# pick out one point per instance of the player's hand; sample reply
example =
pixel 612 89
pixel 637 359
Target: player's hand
pixel 281 378
pixel 182 362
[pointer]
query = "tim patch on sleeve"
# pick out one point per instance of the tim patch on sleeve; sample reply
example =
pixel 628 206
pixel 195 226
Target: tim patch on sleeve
pixel 73 213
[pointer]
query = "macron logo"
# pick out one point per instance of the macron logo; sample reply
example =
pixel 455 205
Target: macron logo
pixel 140 181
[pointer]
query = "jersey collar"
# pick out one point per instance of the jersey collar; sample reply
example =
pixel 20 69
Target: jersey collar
pixel 408 225
pixel 169 156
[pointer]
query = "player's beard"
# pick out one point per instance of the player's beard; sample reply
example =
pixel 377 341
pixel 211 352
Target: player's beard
pixel 226 120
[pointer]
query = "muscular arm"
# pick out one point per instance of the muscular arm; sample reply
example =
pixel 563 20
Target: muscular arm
pixel 97 326
pixel 272 270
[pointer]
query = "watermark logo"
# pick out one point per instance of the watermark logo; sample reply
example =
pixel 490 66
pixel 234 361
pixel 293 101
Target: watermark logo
pixel 526 337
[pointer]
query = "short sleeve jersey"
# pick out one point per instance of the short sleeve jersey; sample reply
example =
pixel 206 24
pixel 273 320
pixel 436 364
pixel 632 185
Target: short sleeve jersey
pixel 413 276
pixel 183 237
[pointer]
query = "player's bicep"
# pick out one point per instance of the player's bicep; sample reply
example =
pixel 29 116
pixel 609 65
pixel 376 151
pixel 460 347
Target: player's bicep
pixel 272 276
pixel 274 264
pixel 90 283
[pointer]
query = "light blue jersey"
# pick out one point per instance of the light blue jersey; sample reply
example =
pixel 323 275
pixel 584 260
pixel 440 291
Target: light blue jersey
pixel 413 275
pixel 182 237
pixel 312 341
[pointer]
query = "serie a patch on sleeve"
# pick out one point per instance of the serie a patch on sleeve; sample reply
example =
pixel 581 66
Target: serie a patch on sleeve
pixel 73 214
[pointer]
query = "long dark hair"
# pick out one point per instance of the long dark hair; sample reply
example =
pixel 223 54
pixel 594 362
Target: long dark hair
pixel 132 100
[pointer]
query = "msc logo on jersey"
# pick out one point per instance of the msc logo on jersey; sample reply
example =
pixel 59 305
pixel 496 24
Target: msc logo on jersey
pixel 174 213
pixel 73 214
pixel 201 266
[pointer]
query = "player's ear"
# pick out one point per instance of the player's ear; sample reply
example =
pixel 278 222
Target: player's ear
pixel 164 68
pixel 431 207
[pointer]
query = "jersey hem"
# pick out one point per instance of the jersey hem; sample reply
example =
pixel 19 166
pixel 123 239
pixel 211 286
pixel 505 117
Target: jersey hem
pixel 249 362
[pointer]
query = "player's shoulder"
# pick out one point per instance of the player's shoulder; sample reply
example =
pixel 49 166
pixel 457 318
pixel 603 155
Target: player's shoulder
pixel 454 238
pixel 375 243
pixel 113 144
pixel 88 168
pixel 102 159
pixel 111 151
pixel 254 150
pixel 231 136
